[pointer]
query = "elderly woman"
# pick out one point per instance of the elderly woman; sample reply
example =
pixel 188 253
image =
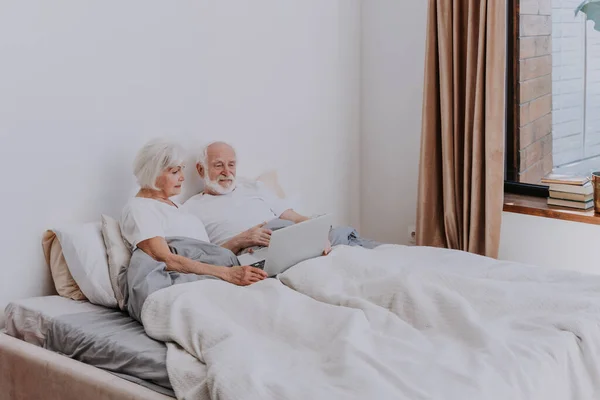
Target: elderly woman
pixel 151 216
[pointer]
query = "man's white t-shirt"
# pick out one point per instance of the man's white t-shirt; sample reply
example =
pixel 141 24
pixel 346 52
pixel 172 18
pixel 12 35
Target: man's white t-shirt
pixel 143 218
pixel 228 215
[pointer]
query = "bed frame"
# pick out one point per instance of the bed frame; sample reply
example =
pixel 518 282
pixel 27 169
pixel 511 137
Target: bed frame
pixel 29 372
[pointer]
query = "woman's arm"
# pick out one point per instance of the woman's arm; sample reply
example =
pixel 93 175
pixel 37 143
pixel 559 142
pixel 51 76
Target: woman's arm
pixel 158 249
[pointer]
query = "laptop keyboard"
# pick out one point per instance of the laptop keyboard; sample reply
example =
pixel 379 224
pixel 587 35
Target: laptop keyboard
pixel 260 264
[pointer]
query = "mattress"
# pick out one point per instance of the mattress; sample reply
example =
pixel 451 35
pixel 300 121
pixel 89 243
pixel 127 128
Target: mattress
pixel 105 338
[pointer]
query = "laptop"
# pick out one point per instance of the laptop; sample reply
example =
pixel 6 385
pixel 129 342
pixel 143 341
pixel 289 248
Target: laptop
pixel 291 245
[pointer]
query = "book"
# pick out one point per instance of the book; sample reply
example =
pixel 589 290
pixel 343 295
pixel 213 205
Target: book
pixel 565 188
pixel 563 179
pixel 571 204
pixel 571 196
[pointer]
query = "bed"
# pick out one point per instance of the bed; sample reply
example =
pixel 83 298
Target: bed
pixel 104 338
pixel 30 372
pixel 395 322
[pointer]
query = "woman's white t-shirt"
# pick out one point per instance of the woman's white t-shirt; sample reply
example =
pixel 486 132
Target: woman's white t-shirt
pixel 144 218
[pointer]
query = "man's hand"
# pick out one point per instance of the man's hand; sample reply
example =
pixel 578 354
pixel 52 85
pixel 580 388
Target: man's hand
pixel 257 236
pixel 244 275
pixel 327 248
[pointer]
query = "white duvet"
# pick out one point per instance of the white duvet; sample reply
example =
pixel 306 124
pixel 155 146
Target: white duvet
pixel 391 323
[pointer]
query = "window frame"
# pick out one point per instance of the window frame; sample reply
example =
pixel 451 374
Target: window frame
pixel 511 154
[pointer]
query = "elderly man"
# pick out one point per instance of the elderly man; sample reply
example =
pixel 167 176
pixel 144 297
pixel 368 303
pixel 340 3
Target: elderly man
pixel 235 213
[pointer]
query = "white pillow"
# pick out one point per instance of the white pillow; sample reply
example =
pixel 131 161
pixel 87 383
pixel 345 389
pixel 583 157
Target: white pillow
pixel 85 254
pixel 119 255
pixel 271 181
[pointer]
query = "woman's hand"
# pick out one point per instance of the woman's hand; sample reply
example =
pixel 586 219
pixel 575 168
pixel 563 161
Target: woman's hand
pixel 244 275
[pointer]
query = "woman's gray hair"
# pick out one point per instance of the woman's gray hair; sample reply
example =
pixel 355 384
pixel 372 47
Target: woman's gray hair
pixel 151 160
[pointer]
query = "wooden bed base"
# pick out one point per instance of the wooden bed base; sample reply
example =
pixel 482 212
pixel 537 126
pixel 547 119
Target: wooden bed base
pixel 28 372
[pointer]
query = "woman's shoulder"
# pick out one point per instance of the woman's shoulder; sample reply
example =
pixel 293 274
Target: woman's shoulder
pixel 137 202
pixel 145 204
pixel 136 205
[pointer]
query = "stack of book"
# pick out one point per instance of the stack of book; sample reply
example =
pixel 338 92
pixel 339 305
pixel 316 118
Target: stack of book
pixel 570 191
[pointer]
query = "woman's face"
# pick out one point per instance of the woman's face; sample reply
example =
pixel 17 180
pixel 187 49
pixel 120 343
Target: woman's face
pixel 169 182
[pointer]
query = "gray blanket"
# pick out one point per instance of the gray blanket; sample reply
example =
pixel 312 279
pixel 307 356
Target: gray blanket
pixel 146 275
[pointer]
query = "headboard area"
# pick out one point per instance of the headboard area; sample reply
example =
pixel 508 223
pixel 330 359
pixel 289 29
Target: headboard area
pixel 82 89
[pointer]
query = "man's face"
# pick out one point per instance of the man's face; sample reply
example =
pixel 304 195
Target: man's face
pixel 219 174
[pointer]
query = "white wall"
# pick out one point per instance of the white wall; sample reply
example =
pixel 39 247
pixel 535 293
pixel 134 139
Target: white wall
pixel 84 84
pixel 550 242
pixel 393 53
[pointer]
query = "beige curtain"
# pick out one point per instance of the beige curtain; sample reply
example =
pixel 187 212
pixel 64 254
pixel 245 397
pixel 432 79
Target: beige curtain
pixel 461 172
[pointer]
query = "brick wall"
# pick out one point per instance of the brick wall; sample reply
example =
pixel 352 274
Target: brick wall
pixel 535 90
pixel 568 79
pixel 559 87
pixel 592 88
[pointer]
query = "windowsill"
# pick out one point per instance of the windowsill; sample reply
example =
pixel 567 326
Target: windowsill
pixel 521 204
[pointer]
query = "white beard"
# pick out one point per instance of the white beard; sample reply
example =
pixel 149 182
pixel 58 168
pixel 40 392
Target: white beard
pixel 216 188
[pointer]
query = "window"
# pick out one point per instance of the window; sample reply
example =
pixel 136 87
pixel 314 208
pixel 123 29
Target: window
pixel 553 93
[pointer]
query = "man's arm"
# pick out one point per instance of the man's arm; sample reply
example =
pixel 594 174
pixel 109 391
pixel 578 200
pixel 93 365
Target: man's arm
pixel 235 244
pixel 291 215
pixel 258 235
pixel 255 236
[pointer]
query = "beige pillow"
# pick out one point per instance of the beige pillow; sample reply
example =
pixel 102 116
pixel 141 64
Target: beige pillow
pixel 63 280
pixel 271 181
pixel 119 255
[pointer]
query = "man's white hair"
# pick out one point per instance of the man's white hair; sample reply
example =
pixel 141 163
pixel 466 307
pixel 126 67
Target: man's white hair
pixel 204 152
pixel 151 160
